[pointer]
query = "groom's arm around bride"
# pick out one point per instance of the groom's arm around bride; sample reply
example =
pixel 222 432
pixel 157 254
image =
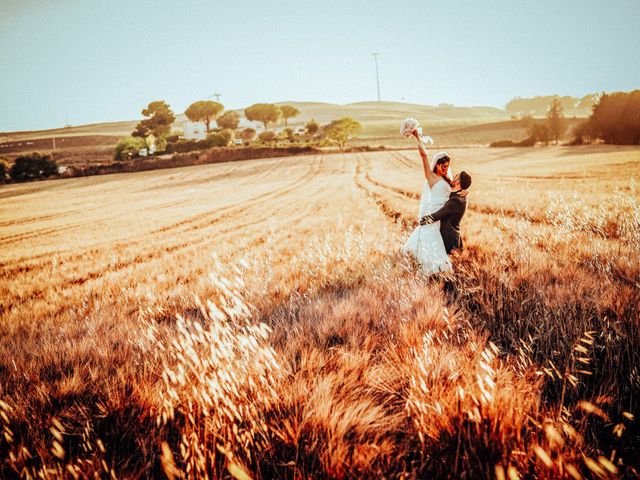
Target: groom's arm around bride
pixel 451 213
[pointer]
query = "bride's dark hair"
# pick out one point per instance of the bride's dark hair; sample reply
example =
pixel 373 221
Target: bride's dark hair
pixel 440 161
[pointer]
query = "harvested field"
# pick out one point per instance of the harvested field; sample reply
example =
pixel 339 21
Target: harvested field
pixel 255 319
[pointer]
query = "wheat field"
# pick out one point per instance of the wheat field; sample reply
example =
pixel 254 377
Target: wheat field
pixel 255 319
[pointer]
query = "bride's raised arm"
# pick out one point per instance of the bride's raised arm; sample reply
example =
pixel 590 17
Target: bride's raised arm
pixel 427 165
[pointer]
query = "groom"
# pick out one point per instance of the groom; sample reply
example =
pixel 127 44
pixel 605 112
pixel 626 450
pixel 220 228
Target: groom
pixel 451 213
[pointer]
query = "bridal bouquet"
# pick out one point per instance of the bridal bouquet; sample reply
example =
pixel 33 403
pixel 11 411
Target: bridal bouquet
pixel 410 125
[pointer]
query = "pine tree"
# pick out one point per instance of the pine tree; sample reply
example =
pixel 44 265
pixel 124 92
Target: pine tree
pixel 555 119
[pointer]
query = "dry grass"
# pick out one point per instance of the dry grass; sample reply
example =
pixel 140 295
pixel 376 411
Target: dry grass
pixel 306 346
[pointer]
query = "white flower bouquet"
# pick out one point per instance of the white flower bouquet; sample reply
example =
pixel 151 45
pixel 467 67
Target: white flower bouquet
pixel 410 125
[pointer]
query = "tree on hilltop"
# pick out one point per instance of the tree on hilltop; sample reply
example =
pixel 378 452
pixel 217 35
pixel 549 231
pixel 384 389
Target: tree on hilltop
pixel 229 120
pixel 342 130
pixel 312 127
pixel 204 111
pixel 288 112
pixel 555 119
pixel 538 132
pixel 265 113
pixel 539 105
pixel 160 117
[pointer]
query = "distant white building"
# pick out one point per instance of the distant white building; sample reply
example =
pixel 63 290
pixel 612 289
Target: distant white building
pixel 198 131
pixel 194 130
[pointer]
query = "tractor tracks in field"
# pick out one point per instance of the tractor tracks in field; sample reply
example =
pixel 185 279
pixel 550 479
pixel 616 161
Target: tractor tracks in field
pixel 190 179
pixel 404 160
pixel 363 181
pixel 196 242
pixel 86 212
pixel 41 218
pixel 146 258
pixel 194 222
pixel 400 191
pixel 300 212
pixel 233 211
pixel 21 237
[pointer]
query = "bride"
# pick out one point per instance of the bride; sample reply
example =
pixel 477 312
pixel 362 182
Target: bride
pixel 425 243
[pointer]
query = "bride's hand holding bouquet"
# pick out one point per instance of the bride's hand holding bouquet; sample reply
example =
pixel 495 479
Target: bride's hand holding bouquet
pixel 411 128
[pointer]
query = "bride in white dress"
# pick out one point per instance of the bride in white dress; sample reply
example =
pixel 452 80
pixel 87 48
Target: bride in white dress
pixel 425 243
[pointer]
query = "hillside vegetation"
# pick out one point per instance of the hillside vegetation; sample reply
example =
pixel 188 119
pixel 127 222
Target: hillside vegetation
pixel 448 124
pixel 380 121
pixel 371 114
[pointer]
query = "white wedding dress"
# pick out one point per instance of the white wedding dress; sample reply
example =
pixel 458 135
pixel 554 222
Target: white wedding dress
pixel 425 243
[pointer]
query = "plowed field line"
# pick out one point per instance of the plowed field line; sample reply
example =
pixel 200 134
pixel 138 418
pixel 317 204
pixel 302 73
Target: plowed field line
pixel 163 250
pixel 195 223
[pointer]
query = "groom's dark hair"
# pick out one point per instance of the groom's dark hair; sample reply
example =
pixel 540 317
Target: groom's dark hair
pixel 465 180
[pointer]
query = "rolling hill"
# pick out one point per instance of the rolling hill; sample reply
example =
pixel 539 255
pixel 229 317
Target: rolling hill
pixel 449 125
pixel 372 115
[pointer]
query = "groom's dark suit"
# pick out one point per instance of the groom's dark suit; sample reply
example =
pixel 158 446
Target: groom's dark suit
pixel 449 216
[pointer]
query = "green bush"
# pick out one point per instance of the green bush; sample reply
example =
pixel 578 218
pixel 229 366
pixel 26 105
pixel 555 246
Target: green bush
pixel 268 137
pixel 248 134
pixel 184 146
pixel 503 143
pixel 161 144
pixel 221 138
pixel 312 127
pixel 32 167
pixel 288 134
pixel 527 142
pixel 342 130
pixel 581 134
pixel 128 148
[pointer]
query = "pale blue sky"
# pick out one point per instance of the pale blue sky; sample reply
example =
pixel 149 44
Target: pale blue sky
pixel 104 60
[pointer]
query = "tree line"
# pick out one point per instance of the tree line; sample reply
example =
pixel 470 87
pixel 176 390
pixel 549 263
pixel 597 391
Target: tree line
pixel 614 119
pixel 539 105
pixel 27 167
pixel 543 131
pixel 154 134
